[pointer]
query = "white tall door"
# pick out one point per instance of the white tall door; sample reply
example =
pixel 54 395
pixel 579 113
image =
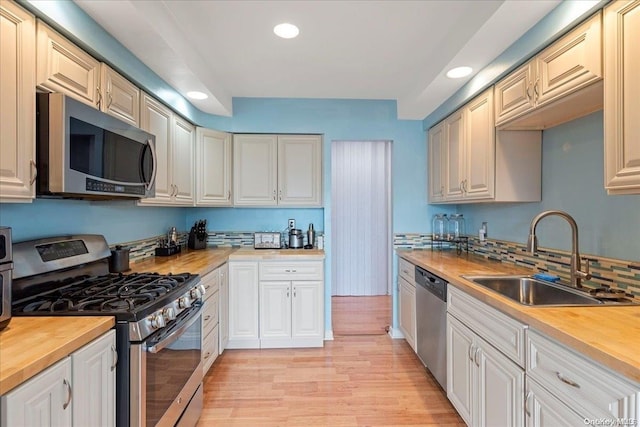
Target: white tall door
pixel 213 168
pixel 460 375
pixel 243 305
pixel 299 170
pixel 454 155
pixel 182 157
pixel 306 306
pixel 157 120
pixel 360 218
pixel 255 173
pixel 275 309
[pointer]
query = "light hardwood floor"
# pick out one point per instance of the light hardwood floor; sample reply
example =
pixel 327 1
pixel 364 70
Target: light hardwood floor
pixel 355 380
pixel 361 315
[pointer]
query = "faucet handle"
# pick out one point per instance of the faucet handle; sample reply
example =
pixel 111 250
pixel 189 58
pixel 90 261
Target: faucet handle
pixel 586 275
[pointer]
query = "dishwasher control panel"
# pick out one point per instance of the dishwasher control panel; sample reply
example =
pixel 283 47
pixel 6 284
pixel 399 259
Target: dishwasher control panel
pixel 432 283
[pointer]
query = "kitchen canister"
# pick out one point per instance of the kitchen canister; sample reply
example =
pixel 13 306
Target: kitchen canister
pixel 119 260
pixel 440 227
pixel 456 227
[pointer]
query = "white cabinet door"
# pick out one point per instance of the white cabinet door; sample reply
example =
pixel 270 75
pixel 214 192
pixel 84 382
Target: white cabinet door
pixel 437 163
pixel 182 149
pixel 119 97
pixel 307 305
pixel 545 410
pixel 94 382
pixel 499 388
pixel 61 66
pixel 213 168
pixel 454 155
pixel 300 170
pixel 17 97
pixel 275 310
pixel 156 119
pixel 243 305
pixel 44 400
pixel 622 97
pixel 480 143
pixel 223 322
pixel 460 368
pixel 407 315
pixel 255 172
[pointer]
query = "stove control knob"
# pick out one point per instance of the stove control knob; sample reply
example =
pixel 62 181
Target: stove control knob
pixel 184 302
pixel 169 314
pixel 157 321
pixel 196 293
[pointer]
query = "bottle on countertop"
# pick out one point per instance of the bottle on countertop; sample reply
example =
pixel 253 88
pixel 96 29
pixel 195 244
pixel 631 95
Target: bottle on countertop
pixel 482 233
pixel 311 237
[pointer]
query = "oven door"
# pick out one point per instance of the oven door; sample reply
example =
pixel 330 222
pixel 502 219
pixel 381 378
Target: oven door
pixel 166 371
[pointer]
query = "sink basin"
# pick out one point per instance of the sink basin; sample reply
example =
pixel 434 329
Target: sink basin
pixel 529 291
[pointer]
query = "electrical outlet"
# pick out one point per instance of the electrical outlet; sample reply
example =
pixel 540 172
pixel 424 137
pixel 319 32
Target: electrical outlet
pixel 292 224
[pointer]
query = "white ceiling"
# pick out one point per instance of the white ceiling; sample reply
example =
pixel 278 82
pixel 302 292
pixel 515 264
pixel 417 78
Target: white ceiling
pixel 397 50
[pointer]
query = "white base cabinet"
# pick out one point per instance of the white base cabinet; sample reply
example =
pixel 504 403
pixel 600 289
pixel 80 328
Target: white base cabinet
pixel 407 301
pixel 210 319
pixel 276 304
pixel 223 322
pixel 485 363
pixel 77 391
pixel 243 305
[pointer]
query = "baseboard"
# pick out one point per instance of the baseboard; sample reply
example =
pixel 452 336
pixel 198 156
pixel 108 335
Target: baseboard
pixel 395 333
pixel 328 335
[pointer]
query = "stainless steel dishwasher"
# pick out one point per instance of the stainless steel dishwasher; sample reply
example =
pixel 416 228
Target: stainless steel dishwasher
pixel 431 320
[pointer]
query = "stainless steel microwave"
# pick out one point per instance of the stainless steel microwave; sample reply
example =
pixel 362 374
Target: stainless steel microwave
pixel 87 154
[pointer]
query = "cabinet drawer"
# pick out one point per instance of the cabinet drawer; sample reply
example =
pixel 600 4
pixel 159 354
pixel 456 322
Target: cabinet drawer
pixel 500 330
pixel 211 283
pixel 209 349
pixel 210 313
pixel 407 271
pixel 589 388
pixel 292 270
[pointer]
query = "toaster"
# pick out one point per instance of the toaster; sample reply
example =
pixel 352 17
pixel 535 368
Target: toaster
pixel 267 240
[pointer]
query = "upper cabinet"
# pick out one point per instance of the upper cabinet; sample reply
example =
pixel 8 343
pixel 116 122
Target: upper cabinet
pixel 277 170
pixel 622 97
pixel 559 84
pixel 64 67
pixel 175 140
pixel 213 168
pixel 470 162
pixel 17 97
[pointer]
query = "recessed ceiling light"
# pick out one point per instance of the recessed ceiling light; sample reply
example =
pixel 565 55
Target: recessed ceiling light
pixel 194 94
pixel 286 30
pixel 456 73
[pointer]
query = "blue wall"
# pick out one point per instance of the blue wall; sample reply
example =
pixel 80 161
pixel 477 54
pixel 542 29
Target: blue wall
pixel 572 181
pixel 118 221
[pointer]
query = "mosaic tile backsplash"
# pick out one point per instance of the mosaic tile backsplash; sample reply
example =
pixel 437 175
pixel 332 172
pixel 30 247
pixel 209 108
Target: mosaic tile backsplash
pixel 606 272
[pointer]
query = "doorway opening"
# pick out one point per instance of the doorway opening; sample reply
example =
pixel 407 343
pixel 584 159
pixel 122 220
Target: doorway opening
pixel 361 237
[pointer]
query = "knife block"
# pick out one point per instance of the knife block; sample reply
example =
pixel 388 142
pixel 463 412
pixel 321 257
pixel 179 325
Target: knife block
pixel 196 243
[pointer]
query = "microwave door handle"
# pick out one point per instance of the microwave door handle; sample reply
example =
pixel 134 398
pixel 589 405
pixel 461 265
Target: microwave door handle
pixel 173 337
pixel 155 165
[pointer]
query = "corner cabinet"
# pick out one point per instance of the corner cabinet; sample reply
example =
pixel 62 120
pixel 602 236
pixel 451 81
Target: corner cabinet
pixel 77 391
pixel 175 143
pixel 17 97
pixel 622 97
pixel 561 83
pixel 213 168
pixel 469 161
pixel 277 170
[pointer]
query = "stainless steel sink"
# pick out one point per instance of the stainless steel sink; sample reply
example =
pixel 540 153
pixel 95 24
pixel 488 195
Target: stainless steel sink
pixel 529 291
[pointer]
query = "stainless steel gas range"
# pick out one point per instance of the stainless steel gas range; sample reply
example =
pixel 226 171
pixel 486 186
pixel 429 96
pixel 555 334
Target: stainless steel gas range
pixel 158 322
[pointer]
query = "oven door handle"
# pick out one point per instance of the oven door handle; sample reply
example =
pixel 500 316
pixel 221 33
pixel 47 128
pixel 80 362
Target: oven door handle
pixel 173 337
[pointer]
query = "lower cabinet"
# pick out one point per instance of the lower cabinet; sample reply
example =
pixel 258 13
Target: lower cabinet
pixel 77 391
pixel 407 310
pixel 485 362
pixel 484 385
pixel 276 304
pixel 243 305
pixel 223 321
pixel 210 319
pixel 565 385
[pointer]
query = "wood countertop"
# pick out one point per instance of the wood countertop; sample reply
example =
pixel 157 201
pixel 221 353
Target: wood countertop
pixel 29 345
pixel 275 254
pixel 200 262
pixel 609 335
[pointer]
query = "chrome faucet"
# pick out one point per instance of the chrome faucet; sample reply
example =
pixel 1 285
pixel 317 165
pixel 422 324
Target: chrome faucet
pixel 532 245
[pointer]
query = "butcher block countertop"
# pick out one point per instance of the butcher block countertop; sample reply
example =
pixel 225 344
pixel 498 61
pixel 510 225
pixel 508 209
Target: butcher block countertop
pixel 609 335
pixel 29 345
